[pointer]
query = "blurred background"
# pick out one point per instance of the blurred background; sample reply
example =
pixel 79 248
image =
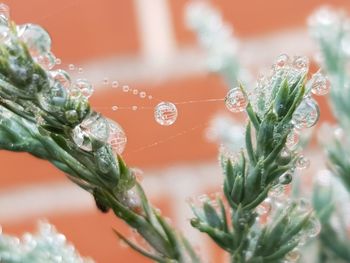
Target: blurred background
pixel 144 44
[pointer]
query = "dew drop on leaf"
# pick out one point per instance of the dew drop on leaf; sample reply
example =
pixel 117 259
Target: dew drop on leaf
pixel 307 114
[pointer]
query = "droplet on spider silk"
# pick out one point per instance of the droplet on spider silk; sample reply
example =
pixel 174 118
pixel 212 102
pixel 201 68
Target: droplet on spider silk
pixel 94 127
pixel 126 88
pixel 71 67
pixel 142 94
pixel 165 113
pixel 36 38
pixel 301 64
pixel 46 61
pixel 235 100
pixel 134 108
pixel 105 81
pixel 117 137
pixel 292 139
pixel 302 162
pixel 85 87
pixel 115 108
pixel 307 114
pixel 115 84
pixel 58 61
pixel 135 91
pixel 62 77
pixel 320 84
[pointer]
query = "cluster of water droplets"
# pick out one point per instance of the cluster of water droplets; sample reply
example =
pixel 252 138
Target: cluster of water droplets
pixel 54 96
pixel 47 245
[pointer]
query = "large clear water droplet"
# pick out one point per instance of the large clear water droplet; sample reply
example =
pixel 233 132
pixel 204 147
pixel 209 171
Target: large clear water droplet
pixel 165 113
pixel 94 127
pixel 307 114
pixel 320 84
pixel 235 100
pixel 36 38
pixel 85 87
pixel 117 137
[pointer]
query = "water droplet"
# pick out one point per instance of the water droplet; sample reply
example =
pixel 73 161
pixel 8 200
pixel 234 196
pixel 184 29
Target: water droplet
pixel 80 70
pixel 132 200
pixel 61 77
pixel 301 64
pixel 46 61
pixel 302 162
pixel 307 114
pixel 105 81
pixel 150 97
pixel 142 94
pixel 314 227
pixel 36 38
pixel 165 113
pixel 320 84
pixel 94 127
pixel 285 178
pixel 115 84
pixel 117 137
pixel 292 139
pixel 58 61
pixel 71 67
pixel 135 91
pixel 126 88
pixel 281 61
pixel 114 108
pixel 85 87
pixel 71 116
pixel 235 100
pixel 134 108
pixel 53 98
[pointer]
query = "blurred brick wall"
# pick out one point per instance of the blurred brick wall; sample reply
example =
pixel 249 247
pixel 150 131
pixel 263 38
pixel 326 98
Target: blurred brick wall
pixel 85 31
